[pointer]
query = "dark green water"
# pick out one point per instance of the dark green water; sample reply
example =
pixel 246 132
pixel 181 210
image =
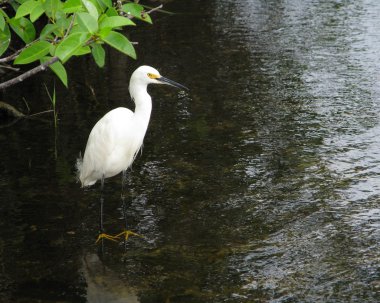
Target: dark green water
pixel 260 185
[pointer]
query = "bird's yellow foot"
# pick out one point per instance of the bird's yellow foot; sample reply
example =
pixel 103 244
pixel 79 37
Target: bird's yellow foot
pixel 127 233
pixel 106 236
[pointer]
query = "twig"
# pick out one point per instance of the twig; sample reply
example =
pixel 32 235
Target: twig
pixel 26 104
pixel 14 121
pixel 14 55
pixel 11 57
pixel 11 110
pixel 43 66
pixel 119 6
pixel 70 27
pixel 155 9
pixel 9 67
pixel 29 73
pixel 40 113
pixel 142 13
pixel 161 10
pixel 40 67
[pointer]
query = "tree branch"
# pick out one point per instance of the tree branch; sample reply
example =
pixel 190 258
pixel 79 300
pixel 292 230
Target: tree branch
pixel 70 26
pixel 43 66
pixel 5 66
pixel 28 74
pixel 129 16
pixel 155 9
pixel 11 57
pixel 37 69
pixel 11 110
pixel 15 54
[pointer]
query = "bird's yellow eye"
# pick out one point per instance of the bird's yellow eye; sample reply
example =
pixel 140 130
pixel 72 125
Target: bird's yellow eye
pixel 153 76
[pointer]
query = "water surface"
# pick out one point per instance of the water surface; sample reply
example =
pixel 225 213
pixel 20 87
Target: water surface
pixel 260 185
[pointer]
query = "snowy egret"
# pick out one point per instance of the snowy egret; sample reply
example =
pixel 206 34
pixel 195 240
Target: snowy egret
pixel 117 137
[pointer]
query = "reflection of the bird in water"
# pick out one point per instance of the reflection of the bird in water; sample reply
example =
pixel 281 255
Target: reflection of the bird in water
pixel 104 285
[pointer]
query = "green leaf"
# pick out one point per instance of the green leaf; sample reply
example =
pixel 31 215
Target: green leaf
pixel 47 30
pixel 91 8
pixel 115 21
pixel 63 24
pixel 5 39
pixel 52 7
pixel 33 53
pixel 88 22
pixel 104 32
pixel 23 28
pixel 72 6
pixel 111 12
pixel 58 69
pixel 36 12
pixel 52 49
pixel 107 3
pixel 21 1
pixel 136 10
pixel 98 54
pixel 3 13
pixel 99 6
pixel 14 5
pixel 82 51
pixel 121 43
pixel 2 22
pixel 26 8
pixel 70 45
pixel 101 17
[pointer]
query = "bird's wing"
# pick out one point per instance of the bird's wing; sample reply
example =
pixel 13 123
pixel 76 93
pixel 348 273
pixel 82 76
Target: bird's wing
pixel 103 140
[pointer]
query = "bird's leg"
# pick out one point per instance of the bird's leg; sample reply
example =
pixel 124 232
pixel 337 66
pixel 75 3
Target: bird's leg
pixel 126 233
pixel 101 202
pixel 123 182
pixel 103 235
pixel 102 184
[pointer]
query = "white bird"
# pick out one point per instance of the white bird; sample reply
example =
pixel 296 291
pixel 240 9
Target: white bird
pixel 117 137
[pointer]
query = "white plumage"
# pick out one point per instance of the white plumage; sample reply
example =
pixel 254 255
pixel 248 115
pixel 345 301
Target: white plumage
pixel 117 137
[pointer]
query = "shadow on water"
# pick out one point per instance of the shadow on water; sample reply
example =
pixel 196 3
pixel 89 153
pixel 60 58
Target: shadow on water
pixel 259 186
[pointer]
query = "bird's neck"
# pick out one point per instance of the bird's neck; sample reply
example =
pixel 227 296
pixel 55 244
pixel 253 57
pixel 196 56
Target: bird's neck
pixel 143 102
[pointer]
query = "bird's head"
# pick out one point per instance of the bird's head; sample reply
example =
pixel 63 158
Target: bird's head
pixel 149 75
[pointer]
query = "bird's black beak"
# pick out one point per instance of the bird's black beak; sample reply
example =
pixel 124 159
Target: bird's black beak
pixel 172 83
